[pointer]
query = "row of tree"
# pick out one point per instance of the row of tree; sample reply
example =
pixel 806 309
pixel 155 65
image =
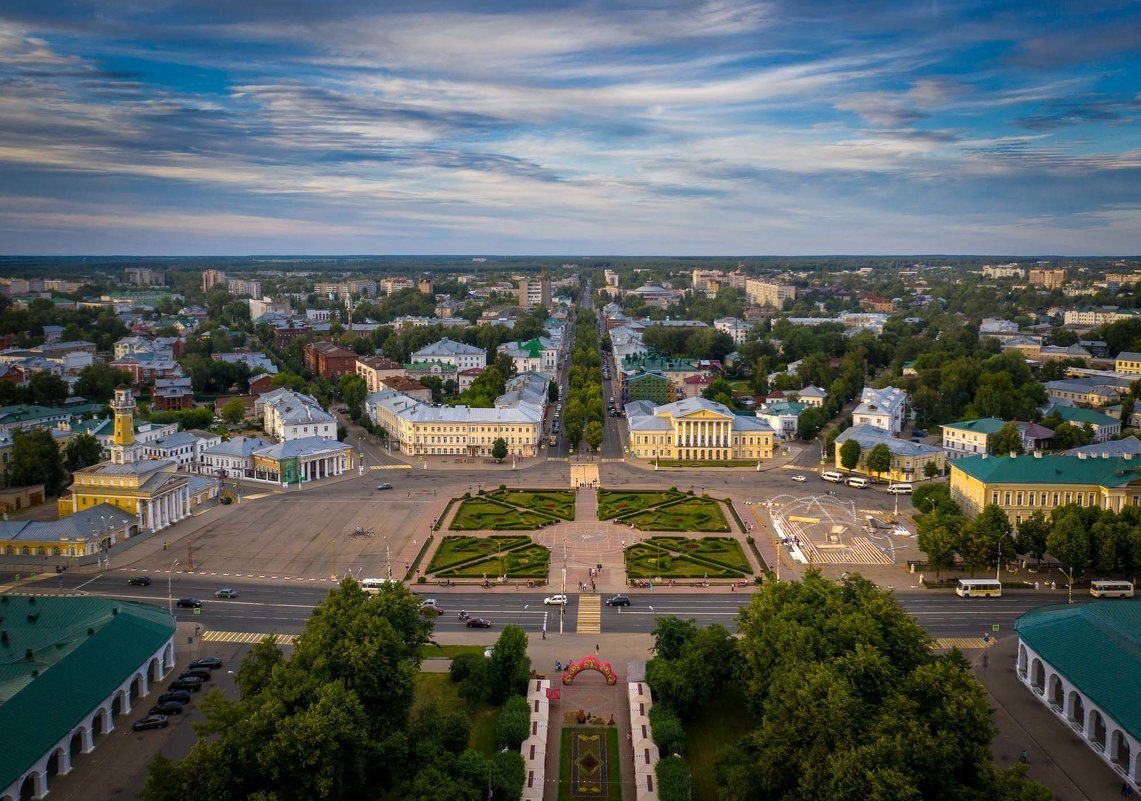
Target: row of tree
pixel 583 411
pixel 849 703
pixel 337 720
pixel 1081 538
pixel 36 458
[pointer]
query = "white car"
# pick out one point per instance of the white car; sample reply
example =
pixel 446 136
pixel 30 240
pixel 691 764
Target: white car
pixel 555 600
pixel 799 478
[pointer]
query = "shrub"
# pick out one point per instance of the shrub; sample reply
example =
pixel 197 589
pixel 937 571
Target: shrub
pixel 464 665
pixel 673 779
pixel 666 729
pixel 514 723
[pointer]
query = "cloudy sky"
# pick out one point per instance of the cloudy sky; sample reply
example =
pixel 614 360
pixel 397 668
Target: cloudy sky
pixel 703 128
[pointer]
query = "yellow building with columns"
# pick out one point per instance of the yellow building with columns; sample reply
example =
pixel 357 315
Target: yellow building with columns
pixel 696 430
pixel 151 489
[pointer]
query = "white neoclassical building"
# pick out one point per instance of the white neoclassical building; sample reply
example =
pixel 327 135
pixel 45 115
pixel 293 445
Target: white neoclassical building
pixel 1082 662
pixel 100 659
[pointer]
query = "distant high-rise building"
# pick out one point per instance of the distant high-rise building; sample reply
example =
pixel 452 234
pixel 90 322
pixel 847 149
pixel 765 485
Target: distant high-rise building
pixel 240 286
pixel 766 293
pixel 535 292
pixel 212 278
pixel 1048 278
pixel 144 276
pixel 346 289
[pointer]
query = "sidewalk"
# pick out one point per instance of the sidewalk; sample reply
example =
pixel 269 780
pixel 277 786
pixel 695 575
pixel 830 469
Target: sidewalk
pixel 1059 759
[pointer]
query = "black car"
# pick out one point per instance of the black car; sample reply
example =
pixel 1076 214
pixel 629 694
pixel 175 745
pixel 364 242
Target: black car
pixel 192 684
pixel 177 696
pixel 139 581
pixel 203 674
pixel 209 662
pixel 166 708
pixel 188 603
pixel 150 722
pixel 385 486
pixel 618 600
pixel 478 623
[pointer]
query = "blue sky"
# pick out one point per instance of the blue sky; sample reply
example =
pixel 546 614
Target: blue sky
pixel 683 128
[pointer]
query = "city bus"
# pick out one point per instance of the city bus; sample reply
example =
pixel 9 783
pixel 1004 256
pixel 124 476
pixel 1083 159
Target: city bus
pixel 1111 589
pixel 373 586
pixel 979 588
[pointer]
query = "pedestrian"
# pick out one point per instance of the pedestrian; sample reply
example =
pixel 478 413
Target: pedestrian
pixel 596 648
pixel 732 588
pixel 1024 757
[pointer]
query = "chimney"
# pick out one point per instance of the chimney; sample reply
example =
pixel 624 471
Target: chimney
pixel 1037 454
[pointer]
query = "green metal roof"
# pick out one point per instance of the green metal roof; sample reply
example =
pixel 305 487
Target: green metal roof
pixel 1097 646
pixel 985 425
pixel 77 670
pixel 1050 469
pixel 1078 414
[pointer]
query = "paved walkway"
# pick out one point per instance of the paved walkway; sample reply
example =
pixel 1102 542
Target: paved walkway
pixel 1058 758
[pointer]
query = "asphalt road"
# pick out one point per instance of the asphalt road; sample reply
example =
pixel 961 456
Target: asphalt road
pixel 262 608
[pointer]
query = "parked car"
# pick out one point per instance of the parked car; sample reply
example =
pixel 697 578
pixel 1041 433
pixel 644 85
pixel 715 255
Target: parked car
pixel 202 674
pixel 555 600
pixel 188 603
pixel 176 696
pixel 188 683
pixel 150 722
pixel 166 708
pixel 139 581
pixel 226 592
pixel 618 600
pixel 209 662
pixel 478 623
pixel 799 478
pixel 385 486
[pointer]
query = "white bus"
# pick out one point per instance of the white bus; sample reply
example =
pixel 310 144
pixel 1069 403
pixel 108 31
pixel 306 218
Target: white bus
pixel 1111 589
pixel 833 476
pixel 373 586
pixel 979 588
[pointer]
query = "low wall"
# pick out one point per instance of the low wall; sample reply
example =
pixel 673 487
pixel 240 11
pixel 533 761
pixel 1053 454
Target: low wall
pixel 534 748
pixel 642 743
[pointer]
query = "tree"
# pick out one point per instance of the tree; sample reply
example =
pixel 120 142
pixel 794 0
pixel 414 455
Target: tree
pixel 353 391
pixel 36 460
pixel 850 454
pixel 930 469
pixel 234 411
pixel 510 666
pixel 1007 440
pixel 938 536
pixel 508 773
pixel 98 380
pixel 84 450
pixel 810 422
pixel 878 459
pixel 499 448
pixel 673 778
pixel 553 392
pixel 594 434
pixel 46 389
pixel 986 538
pixel 1069 540
pixel 256 670
pixel 514 723
pixel 1032 535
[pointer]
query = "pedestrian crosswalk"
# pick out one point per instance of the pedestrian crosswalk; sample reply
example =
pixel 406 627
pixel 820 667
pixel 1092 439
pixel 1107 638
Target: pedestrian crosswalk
pixel 246 637
pixel 390 467
pixel 589 614
pixel 962 643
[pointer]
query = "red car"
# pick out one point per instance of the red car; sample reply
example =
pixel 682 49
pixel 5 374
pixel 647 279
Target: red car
pixel 478 623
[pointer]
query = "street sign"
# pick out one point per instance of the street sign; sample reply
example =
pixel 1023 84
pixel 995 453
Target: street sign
pixel 994 627
pixel 197 610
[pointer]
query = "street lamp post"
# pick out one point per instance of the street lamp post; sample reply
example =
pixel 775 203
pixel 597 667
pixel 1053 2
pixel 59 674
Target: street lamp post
pixel 169 590
pixel 998 559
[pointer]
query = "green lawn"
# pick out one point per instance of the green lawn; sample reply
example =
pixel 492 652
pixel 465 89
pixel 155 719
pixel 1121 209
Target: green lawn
pixel 559 503
pixel 692 514
pixel 528 563
pixel 439 687
pixel 721 722
pixel 614 767
pixel 455 550
pixel 486 514
pixel 612 503
pixel 682 557
pixel 449 651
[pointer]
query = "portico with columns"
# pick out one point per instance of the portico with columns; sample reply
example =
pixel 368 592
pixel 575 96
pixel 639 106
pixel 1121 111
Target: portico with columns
pixel 303 460
pixel 696 430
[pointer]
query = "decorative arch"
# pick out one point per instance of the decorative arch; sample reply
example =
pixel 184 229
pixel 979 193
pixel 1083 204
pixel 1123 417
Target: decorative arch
pixel 589 663
pixel 1077 710
pixel 1056 693
pixel 1022 659
pixel 1038 676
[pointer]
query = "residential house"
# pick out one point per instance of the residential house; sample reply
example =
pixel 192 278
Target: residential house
pixel 172 395
pixel 457 354
pixel 234 457
pixel 329 361
pixel 406 386
pixel 909 460
pixel 1104 427
pixel 289 415
pixel 883 408
pixel 374 369
pixel 811 395
pixel 783 417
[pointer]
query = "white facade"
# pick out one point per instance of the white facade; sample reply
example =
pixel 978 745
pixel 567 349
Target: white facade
pixel 290 415
pixel 883 408
pixel 737 329
pixel 455 353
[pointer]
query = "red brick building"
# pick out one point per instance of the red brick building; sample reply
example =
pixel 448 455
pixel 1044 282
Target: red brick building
pixel 329 361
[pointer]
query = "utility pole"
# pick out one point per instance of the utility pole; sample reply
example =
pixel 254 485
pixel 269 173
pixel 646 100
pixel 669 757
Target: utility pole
pixel 334 575
pixel 189 557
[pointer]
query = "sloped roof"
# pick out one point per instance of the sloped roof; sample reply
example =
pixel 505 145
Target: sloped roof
pixel 869 436
pixel 1050 469
pixel 1097 646
pixel 77 670
pixel 1076 414
pixel 306 446
pixel 984 425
